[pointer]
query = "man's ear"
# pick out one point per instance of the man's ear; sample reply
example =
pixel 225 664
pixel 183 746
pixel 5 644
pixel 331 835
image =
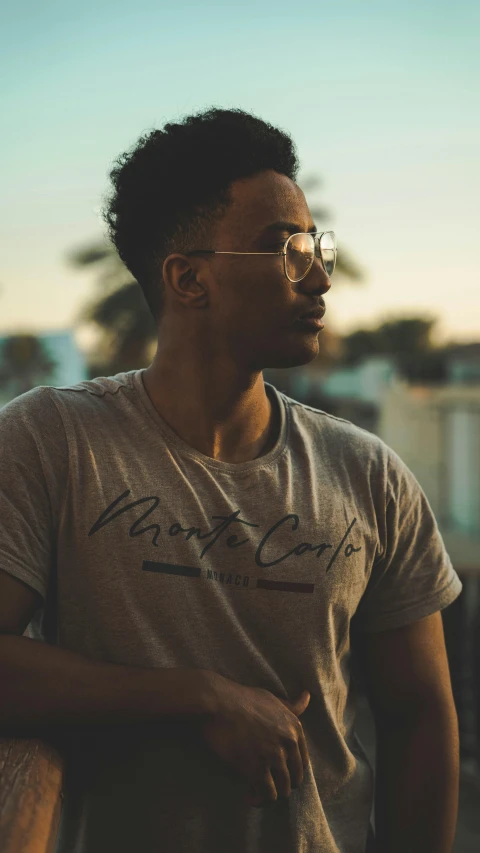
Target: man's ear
pixel 180 275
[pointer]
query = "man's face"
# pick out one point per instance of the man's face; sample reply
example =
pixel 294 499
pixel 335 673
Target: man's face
pixel 253 307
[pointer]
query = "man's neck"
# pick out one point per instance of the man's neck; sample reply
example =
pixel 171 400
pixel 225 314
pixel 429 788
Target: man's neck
pixel 216 411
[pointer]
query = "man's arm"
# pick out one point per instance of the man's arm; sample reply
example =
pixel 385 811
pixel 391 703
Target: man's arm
pixel 417 754
pixel 43 685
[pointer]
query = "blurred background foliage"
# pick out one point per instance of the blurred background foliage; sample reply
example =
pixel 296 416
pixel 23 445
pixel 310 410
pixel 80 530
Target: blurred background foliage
pixel 408 341
pixel 24 363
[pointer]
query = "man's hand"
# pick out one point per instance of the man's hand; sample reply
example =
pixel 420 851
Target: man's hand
pixel 261 737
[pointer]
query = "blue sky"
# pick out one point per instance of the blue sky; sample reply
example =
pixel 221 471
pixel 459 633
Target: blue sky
pixel 381 99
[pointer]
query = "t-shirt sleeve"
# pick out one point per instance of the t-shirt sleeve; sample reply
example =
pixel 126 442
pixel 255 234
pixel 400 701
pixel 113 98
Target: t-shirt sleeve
pixel 413 576
pixel 33 467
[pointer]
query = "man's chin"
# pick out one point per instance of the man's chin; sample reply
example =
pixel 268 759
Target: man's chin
pixel 293 356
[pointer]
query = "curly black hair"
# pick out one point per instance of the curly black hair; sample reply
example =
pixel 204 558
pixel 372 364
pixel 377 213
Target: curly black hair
pixel 171 188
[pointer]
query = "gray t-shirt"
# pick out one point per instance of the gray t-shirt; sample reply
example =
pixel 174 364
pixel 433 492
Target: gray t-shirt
pixel 148 553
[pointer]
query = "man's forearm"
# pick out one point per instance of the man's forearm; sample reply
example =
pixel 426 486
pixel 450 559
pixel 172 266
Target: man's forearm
pixel 416 784
pixel 43 686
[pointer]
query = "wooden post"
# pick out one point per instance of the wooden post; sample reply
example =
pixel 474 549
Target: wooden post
pixel 31 773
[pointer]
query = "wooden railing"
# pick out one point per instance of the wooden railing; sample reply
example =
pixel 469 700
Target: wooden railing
pixel 31 774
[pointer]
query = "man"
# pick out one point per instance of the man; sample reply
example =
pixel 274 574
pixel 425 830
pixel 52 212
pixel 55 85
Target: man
pixel 203 554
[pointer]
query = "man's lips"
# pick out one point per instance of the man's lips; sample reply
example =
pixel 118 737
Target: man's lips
pixel 314 314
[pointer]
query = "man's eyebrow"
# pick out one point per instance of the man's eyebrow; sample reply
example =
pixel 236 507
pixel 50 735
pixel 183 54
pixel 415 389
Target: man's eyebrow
pixel 292 227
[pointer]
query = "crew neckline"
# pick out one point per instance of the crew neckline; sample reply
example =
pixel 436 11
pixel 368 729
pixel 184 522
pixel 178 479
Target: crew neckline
pixel 228 467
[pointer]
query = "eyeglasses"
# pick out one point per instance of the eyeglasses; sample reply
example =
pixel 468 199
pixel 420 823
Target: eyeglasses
pixel 298 253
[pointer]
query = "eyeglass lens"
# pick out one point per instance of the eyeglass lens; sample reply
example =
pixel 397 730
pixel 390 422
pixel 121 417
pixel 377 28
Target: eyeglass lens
pixel 328 249
pixel 301 252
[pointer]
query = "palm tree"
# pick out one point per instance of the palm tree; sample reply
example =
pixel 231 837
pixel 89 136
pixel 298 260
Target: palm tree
pixel 24 364
pixel 120 311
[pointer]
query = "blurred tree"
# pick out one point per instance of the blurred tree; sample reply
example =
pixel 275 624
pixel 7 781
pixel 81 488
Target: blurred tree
pixel 120 312
pixel 346 267
pixel 408 341
pixel 24 363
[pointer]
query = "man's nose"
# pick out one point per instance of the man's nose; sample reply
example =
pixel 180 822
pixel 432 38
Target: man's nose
pixel 316 280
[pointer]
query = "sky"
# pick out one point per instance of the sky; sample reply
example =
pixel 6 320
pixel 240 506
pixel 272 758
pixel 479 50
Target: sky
pixel 381 99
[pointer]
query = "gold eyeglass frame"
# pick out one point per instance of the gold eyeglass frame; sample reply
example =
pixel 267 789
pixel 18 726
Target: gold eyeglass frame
pixel 317 236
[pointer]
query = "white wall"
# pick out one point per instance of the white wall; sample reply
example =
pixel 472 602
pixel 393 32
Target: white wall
pixel 436 431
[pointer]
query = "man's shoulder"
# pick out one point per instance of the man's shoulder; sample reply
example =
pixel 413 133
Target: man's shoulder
pixel 100 386
pixel 45 407
pixel 31 406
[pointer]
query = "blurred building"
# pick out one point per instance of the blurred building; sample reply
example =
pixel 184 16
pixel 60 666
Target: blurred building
pixel 464 364
pixel 365 382
pixel 69 363
pixel 436 431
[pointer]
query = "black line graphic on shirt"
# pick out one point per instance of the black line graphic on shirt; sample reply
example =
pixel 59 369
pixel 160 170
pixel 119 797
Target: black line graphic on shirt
pixel 232 541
